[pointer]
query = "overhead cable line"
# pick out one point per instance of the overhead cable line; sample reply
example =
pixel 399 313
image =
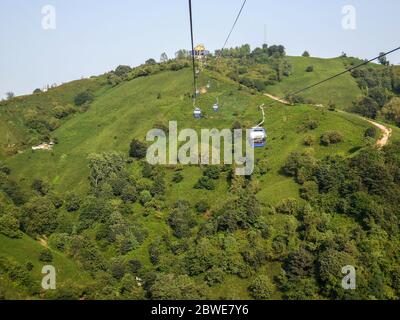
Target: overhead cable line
pixel 193 60
pixel 233 26
pixel 231 31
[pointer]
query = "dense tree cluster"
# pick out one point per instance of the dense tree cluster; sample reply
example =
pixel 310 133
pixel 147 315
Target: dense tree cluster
pixel 84 97
pixel 364 189
pixel 257 68
pixel 381 85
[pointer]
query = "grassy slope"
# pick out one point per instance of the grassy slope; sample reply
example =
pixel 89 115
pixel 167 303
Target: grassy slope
pixel 26 250
pixel 12 127
pixel 342 90
pixel 132 108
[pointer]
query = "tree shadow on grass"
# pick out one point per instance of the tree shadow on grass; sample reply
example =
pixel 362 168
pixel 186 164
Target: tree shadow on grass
pixel 354 149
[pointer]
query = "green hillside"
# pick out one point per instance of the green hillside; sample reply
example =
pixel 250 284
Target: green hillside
pixel 17 253
pixel 132 109
pixel 319 191
pixel 342 91
pixel 15 134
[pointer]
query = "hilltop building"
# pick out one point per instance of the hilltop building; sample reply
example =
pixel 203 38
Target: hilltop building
pixel 200 51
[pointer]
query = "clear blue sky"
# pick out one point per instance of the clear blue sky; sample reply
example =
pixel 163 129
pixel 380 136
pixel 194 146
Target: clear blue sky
pixel 95 36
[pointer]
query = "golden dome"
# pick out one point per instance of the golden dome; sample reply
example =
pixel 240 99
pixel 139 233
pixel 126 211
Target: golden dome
pixel 200 47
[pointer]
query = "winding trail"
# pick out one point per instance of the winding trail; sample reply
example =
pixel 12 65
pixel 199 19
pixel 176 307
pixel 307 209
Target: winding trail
pixel 386 134
pixel 382 141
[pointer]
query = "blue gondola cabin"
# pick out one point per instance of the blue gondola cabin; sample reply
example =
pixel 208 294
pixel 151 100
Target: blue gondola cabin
pixel 197 113
pixel 258 137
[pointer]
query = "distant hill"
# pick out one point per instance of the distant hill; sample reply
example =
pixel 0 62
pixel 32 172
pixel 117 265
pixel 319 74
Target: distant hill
pixel 342 91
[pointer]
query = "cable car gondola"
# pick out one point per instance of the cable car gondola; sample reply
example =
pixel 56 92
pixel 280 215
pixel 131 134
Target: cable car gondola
pixel 258 137
pixel 216 107
pixel 197 113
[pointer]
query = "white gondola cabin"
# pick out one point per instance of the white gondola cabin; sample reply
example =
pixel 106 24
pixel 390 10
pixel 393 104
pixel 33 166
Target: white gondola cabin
pixel 216 107
pixel 197 113
pixel 258 137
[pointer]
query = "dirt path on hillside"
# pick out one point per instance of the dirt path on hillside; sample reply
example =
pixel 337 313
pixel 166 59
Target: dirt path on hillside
pixel 276 98
pixel 43 242
pixel 386 132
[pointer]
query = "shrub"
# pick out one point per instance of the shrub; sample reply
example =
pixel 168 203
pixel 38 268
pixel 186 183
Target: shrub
pixel 39 217
pixel 330 264
pixel 3 168
pixel 61 112
pixel 296 161
pixel 214 276
pixel 113 80
pixel 178 177
pixel 83 98
pixel 117 269
pixel 72 202
pixel 247 82
pixel 331 137
pixel 309 190
pixel 299 264
pixel 331 106
pixel 263 167
pixel 259 85
pixel 310 69
pixel 137 149
pixel 205 183
pixel 370 132
pixel 212 172
pixel 122 71
pixel 242 70
pixel 59 241
pixel 134 266
pixel 181 219
pixel 145 197
pixel 309 141
pixel 391 111
pixel 154 252
pixel 173 287
pixel 29 266
pixel 13 190
pixel 129 194
pixel 295 99
pixel 40 186
pixel 380 95
pixel 311 125
pixel 9 226
pixel 306 54
pixel 288 207
pixel 45 256
pixel 367 107
pixel 261 288
pixel 202 206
